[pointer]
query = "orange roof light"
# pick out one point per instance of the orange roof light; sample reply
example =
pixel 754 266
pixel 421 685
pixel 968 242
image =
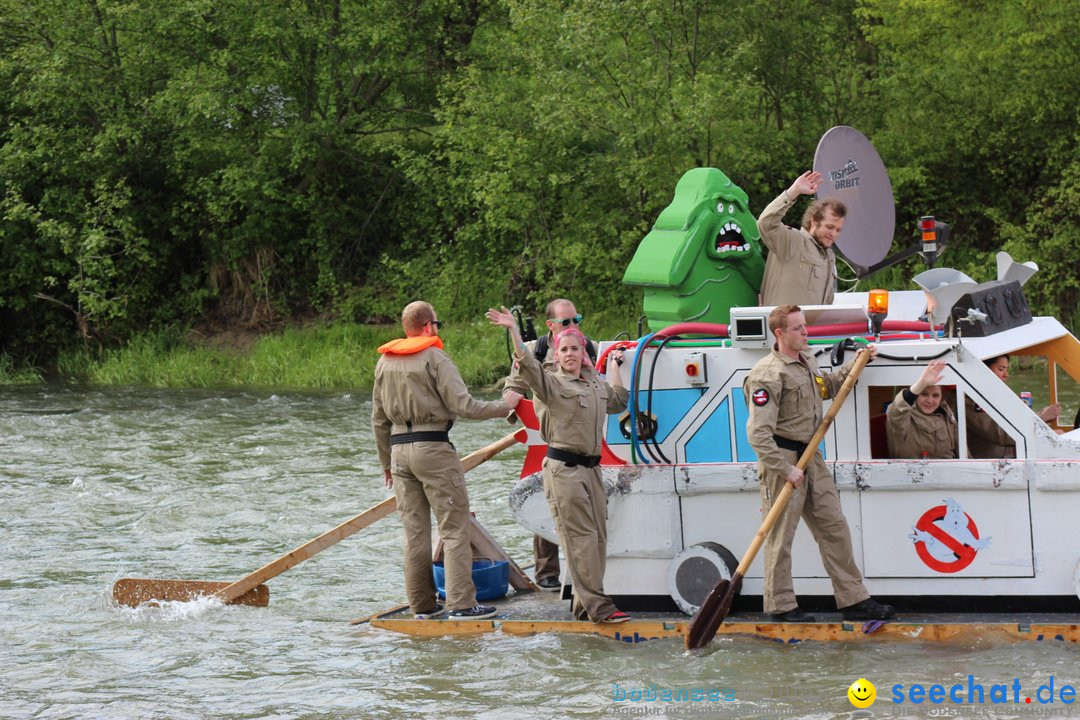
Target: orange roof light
pixel 878 303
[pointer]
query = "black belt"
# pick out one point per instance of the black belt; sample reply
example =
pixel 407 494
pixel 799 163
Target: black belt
pixel 789 444
pixel 573 459
pixel 420 436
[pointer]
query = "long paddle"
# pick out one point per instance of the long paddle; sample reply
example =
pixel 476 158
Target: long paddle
pixel 717 604
pixel 249 590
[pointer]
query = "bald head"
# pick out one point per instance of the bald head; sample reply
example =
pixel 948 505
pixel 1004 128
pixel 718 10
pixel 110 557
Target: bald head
pixel 415 316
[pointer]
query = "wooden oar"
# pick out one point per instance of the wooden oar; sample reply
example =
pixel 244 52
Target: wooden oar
pixel 249 590
pixel 717 604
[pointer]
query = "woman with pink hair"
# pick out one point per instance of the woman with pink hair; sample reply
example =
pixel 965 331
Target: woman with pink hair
pixel 572 403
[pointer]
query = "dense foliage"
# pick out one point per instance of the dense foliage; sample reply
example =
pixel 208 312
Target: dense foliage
pixel 164 161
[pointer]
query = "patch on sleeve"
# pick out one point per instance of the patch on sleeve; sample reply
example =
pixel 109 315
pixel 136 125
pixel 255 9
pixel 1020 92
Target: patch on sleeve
pixel 822 389
pixel 760 397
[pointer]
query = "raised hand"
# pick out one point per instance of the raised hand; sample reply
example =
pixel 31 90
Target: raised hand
pixel 807 183
pixel 931 375
pixel 502 318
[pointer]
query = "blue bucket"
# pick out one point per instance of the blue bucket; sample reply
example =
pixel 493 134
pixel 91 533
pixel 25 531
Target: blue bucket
pixel 492 579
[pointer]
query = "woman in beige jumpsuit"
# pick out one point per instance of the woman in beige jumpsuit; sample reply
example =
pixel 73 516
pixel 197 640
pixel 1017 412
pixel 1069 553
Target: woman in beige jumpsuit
pixel 572 403
pixel 919 424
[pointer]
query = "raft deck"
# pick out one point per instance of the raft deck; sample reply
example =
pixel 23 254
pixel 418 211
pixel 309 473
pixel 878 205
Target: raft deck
pixel 543 612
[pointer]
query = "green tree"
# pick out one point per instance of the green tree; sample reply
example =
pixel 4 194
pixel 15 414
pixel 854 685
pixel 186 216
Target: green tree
pixel 161 159
pixel 981 129
pixel 564 136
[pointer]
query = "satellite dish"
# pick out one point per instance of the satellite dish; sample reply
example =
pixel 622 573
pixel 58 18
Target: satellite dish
pixel 1009 270
pixel 852 172
pixel 943 287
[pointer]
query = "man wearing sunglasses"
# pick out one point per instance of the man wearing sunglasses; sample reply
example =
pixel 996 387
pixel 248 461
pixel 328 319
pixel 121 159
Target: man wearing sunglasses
pixel 418 393
pixel 561 314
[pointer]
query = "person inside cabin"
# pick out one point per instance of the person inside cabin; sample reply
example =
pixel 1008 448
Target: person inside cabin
pixel 801 266
pixel 919 425
pixel 560 315
pixel 572 403
pixel 417 395
pixel 784 392
pixel 986 439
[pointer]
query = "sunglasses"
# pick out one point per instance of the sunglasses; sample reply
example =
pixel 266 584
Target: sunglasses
pixel 565 322
pixel 436 323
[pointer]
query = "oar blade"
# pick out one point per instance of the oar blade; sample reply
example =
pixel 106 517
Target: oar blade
pixel 706 610
pixel 712 613
pixel 136 591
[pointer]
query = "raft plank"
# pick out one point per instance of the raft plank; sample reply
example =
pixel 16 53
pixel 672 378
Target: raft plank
pixel 434 628
pixel 636 631
pixel 135 591
pixel 528 613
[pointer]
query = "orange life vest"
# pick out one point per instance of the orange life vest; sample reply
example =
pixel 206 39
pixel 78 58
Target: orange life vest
pixel 410 345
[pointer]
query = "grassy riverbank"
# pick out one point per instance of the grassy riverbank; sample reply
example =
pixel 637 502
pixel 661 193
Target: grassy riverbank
pixel 12 375
pixel 331 357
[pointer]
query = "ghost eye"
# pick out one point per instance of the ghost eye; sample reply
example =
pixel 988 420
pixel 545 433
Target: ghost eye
pixel 731 209
pixel 720 208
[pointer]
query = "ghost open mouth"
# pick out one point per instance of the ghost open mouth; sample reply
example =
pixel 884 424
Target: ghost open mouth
pixel 730 239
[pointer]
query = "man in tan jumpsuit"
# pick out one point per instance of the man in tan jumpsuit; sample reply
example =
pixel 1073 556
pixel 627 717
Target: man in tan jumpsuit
pixel 560 314
pixel 801 266
pixel 784 391
pixel 418 394
pixel 573 402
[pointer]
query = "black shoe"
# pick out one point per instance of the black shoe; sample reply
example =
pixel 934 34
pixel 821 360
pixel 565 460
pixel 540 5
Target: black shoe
pixel 549 583
pixel 795 614
pixel 868 609
pixel 437 611
pixel 476 612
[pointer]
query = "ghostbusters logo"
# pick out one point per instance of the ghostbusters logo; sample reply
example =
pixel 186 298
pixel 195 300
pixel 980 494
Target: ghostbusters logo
pixel 760 397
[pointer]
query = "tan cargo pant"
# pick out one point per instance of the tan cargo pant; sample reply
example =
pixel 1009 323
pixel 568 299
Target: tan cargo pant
pixel 817 502
pixel 579 507
pixel 428 477
pixel 546 554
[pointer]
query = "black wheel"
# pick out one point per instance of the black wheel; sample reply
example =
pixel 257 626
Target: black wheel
pixel 696 570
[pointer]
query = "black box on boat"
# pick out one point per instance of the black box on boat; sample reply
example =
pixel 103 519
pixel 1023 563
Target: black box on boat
pixel 1003 303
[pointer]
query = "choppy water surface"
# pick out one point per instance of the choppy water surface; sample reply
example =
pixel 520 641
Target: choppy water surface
pixel 101 484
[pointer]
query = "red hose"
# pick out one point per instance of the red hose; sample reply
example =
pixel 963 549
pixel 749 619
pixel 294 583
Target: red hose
pixel 860 328
pixel 694 328
pixel 601 362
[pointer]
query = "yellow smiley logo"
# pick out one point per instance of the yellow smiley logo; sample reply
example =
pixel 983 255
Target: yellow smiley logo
pixel 862 693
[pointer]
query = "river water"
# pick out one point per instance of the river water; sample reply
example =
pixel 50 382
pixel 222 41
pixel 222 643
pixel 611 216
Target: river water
pixel 99 484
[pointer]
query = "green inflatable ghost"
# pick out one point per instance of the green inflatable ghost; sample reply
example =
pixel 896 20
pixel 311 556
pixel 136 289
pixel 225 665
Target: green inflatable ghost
pixel 702 257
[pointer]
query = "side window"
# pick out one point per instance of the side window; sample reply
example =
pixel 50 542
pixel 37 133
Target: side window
pixel 986 437
pixel 879 397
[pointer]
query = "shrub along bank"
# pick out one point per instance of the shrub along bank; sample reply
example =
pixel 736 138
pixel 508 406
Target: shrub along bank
pixel 329 357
